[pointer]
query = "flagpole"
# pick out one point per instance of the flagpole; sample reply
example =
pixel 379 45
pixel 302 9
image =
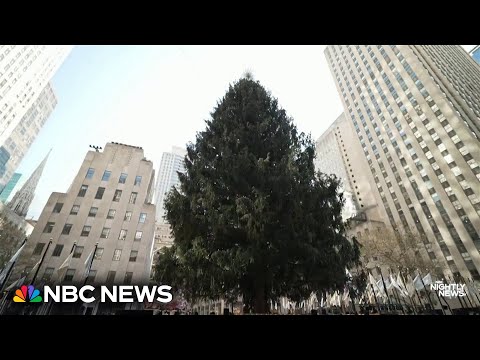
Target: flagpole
pixel 41 262
pixel 376 300
pixel 385 287
pixel 11 268
pixel 426 290
pixel 468 297
pixel 459 298
pixel 395 293
pixel 90 265
pixel 472 284
pixel 446 302
pixel 414 306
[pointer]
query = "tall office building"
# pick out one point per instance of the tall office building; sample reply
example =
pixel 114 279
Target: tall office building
pixel 7 190
pixel 25 71
pixel 416 114
pixel 109 203
pixel 23 135
pixel 170 165
pixel 475 52
pixel 23 198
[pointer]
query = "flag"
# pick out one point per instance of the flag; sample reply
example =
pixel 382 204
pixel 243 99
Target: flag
pixel 410 288
pixel 66 263
pixel 8 266
pixel 417 283
pixel 380 288
pixel 348 273
pixel 427 280
pixel 15 284
pixel 87 263
pixel 372 280
pixel 345 294
pixel 400 285
pixel 388 283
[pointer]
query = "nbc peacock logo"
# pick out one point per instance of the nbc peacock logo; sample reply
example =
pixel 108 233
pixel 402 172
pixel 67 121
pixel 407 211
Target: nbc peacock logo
pixel 27 294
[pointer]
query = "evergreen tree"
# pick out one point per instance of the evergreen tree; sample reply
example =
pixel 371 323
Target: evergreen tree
pixel 11 238
pixel 253 218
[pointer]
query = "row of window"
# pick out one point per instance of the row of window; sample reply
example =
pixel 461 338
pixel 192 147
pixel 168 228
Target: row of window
pixel 106 177
pixel 78 251
pixel 101 191
pixel 49 271
pixel 93 212
pixel 67 228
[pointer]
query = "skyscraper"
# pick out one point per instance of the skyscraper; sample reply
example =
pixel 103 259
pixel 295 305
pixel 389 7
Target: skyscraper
pixel 475 52
pixel 25 71
pixel 23 198
pixel 336 153
pixel 170 165
pixel 23 135
pixel 416 114
pixel 7 190
pixel 109 204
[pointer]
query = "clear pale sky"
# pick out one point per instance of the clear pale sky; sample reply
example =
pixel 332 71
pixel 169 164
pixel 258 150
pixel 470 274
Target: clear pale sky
pixel 157 97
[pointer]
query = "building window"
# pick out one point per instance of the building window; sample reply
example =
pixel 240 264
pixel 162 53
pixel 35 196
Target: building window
pixel 99 194
pixel 116 254
pixel 77 253
pixel 98 253
pixel 128 216
pixel 47 275
pixel 86 230
pixel 123 234
pixel 106 175
pixel 66 229
pixel 133 198
pixel 75 209
pixel 142 218
pixel 58 250
pixel 69 275
pixel 105 232
pixel 133 256
pixel 138 180
pixel 128 278
pixel 90 173
pixel 111 213
pixel 122 178
pixel 138 235
pixel 58 207
pixel 49 227
pixel 93 211
pixel 38 249
pixel 83 190
pixel 91 276
pixel 111 277
pixel 117 195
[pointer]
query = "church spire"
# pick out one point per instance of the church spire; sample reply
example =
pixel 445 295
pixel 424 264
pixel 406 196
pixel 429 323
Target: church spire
pixel 24 197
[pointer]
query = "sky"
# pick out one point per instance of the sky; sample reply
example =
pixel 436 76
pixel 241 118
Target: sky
pixel 157 97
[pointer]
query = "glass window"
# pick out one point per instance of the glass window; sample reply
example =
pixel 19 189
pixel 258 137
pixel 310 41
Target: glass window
pixel 128 216
pixel 122 178
pixel 93 211
pixel 66 229
pixel 116 254
pixel 111 213
pixel 128 278
pixel 138 180
pixel 47 275
pixel 69 275
pixel 38 249
pixel 133 198
pixel 105 233
pixel 138 235
pixel 98 253
pixel 86 230
pixel 142 218
pixel 133 256
pixel 58 250
pixel 99 194
pixel 78 251
pixel 123 234
pixel 75 209
pixel 106 175
pixel 83 190
pixel 111 277
pixel 117 195
pixel 91 276
pixel 49 227
pixel 58 207
pixel 90 173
